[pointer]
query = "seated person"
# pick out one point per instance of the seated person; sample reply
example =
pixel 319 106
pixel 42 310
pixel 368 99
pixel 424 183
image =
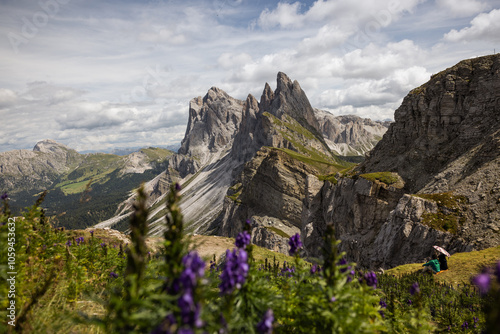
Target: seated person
pixel 432 265
pixel 443 262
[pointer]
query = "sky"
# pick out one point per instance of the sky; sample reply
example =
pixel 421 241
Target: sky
pixel 103 74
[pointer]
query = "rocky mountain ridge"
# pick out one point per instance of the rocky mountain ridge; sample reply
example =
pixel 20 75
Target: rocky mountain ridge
pixel 67 175
pixel 445 145
pixel 222 135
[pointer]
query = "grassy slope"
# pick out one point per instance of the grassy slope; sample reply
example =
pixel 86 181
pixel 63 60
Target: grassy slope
pixel 462 266
pixel 98 167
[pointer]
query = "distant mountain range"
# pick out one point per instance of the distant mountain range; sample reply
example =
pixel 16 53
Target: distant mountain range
pixel 83 189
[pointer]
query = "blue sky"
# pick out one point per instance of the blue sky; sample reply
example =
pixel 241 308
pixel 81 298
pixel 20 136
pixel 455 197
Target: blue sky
pixel 97 75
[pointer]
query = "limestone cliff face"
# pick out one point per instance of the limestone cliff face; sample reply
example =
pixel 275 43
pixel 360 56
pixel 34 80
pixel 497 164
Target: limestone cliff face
pixel 457 110
pixel 378 225
pixel 357 208
pixel 350 135
pixel 36 169
pixel 212 125
pixel 445 144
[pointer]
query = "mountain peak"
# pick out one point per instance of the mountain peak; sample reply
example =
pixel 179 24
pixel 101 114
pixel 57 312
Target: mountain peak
pixel 283 81
pixel 48 146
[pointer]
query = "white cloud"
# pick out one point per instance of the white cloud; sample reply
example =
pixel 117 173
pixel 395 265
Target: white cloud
pixel 7 98
pixel 229 60
pixel 368 12
pixel 328 37
pixel 485 26
pixel 462 8
pixel 104 74
pixel 285 15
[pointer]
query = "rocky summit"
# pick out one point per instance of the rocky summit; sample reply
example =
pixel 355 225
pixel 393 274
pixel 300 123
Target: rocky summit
pixel 249 159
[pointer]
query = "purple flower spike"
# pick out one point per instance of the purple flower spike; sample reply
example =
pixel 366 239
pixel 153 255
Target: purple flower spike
pixel 242 240
pixel 295 244
pixel 194 268
pixel 482 281
pixel 313 269
pixel 415 289
pixel 177 187
pixel 113 275
pixel 371 279
pixel 4 196
pixel 235 271
pixel 68 243
pixel 266 325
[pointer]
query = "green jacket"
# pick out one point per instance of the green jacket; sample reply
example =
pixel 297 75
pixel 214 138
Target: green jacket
pixel 434 265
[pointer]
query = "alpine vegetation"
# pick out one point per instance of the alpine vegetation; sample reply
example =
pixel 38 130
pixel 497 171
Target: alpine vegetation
pixel 87 282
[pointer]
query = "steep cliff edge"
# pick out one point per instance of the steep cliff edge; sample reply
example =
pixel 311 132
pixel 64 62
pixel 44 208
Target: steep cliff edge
pixel 449 116
pixel 445 145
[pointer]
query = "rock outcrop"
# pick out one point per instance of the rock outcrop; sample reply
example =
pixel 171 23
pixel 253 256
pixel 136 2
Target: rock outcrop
pixel 36 169
pixel 445 144
pixel 350 135
pixel 451 115
pixel 212 125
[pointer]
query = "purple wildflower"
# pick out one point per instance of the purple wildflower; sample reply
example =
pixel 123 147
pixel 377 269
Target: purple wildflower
pixel 235 270
pixel 343 262
pixel 350 276
pixel 382 314
pixel 177 187
pixel 482 281
pixel 194 268
pixel 242 240
pixel 92 233
pixel 190 312
pixel 295 244
pixel 185 331
pixel 79 240
pixel 68 243
pixel 213 265
pixel 248 222
pixel 313 269
pixel 4 196
pixel 414 289
pixel 371 279
pixel 465 325
pixel 382 303
pixel 333 299
pixel 409 302
pixel 113 275
pixel 266 325
pixel 103 244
